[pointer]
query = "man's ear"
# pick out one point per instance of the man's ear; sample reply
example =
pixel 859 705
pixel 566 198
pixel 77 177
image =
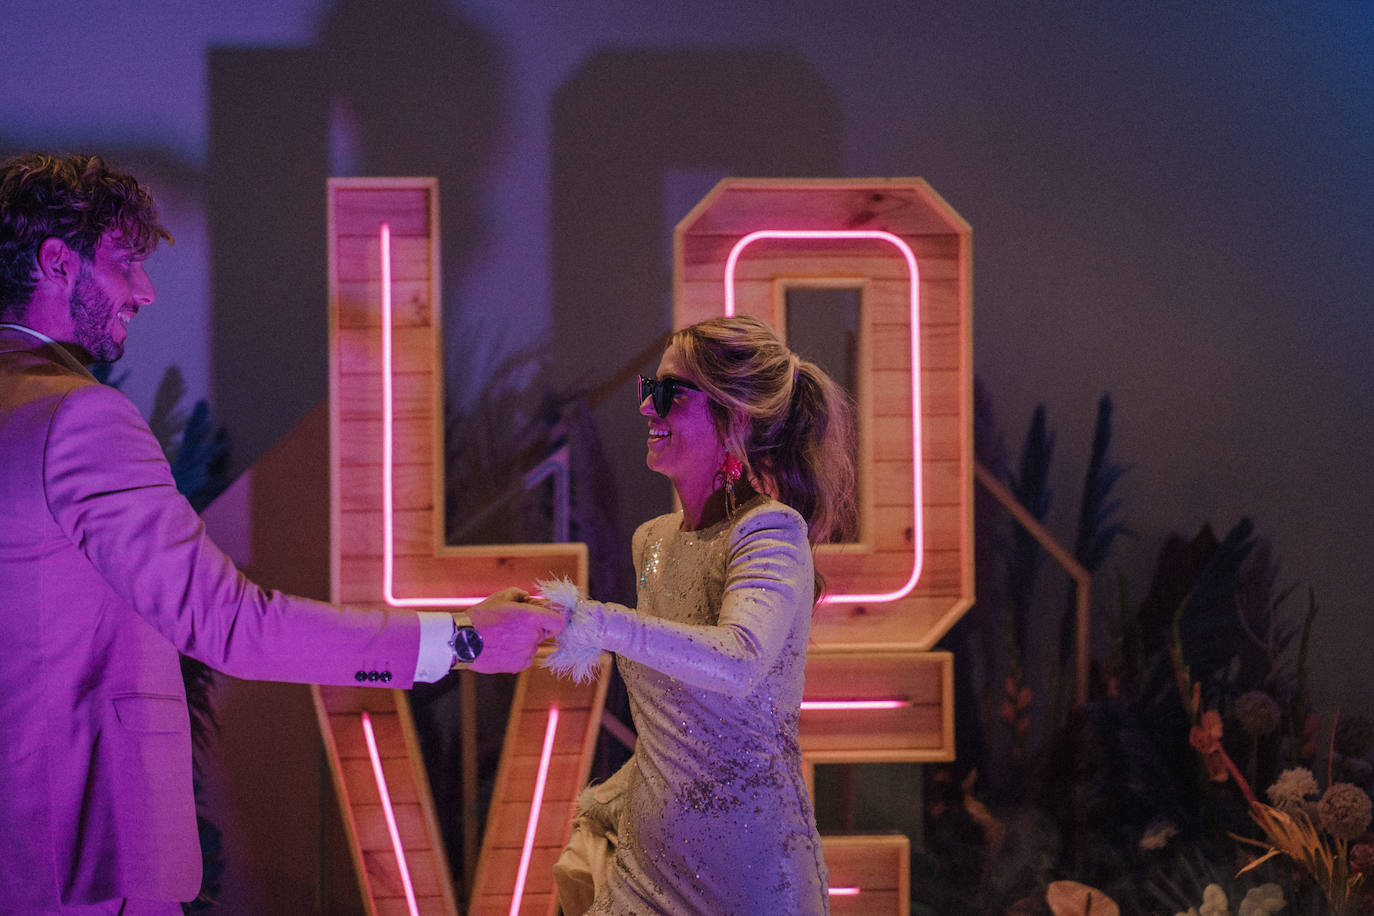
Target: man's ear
pixel 58 263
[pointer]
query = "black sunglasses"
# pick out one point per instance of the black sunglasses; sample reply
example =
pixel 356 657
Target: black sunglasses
pixel 662 392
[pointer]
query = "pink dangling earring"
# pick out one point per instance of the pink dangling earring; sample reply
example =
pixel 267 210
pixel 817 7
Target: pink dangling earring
pixel 731 468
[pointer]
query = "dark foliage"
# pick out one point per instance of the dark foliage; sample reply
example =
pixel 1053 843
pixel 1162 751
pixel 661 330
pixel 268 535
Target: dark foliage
pixel 1097 525
pixel 1112 793
pixel 1032 491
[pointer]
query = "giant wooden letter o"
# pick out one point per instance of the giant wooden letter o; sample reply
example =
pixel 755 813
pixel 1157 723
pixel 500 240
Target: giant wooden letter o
pixel 874 691
pixel 909 577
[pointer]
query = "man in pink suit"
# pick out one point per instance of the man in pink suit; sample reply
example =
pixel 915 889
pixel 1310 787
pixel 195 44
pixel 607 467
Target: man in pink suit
pixel 106 572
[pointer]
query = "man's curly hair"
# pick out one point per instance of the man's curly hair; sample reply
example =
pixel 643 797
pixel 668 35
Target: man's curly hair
pixel 74 198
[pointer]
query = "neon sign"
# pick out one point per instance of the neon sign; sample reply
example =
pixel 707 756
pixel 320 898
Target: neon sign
pixel 913 279
pixel 390 814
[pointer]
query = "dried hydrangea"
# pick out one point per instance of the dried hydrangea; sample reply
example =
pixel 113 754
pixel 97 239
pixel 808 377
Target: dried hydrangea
pixel 1344 811
pixel 1214 902
pixel 1291 788
pixel 1262 900
pixel 1362 858
pixel 1257 713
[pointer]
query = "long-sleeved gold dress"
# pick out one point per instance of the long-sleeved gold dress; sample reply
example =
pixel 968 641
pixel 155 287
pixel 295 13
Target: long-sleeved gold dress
pixel 713 813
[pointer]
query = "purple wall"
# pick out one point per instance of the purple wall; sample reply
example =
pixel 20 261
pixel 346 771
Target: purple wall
pixel 1170 203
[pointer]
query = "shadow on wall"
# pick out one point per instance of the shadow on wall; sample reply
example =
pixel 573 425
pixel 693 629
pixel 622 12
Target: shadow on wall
pixel 625 124
pixel 395 90
pixel 416 87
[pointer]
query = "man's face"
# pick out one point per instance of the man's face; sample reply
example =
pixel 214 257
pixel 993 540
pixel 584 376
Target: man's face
pixel 109 291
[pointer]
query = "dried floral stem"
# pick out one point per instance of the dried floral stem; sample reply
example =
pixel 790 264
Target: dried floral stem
pixel 1241 782
pixel 1298 716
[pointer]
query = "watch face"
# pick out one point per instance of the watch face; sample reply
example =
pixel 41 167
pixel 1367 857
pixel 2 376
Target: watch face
pixel 467 644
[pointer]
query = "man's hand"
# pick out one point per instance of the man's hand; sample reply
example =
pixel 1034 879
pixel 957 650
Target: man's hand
pixel 511 626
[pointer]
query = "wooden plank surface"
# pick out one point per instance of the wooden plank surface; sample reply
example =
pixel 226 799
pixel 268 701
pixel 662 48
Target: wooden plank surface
pixel 579 714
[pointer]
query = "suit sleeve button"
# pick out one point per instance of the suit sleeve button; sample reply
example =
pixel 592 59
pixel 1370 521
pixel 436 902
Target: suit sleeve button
pixel 360 676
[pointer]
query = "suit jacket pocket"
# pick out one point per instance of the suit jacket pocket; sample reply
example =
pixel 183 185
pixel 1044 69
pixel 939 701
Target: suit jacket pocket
pixel 153 713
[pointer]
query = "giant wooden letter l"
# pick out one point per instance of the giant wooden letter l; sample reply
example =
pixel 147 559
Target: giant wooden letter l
pixel 386 463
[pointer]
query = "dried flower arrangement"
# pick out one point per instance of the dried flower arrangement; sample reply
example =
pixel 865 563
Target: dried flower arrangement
pixel 1142 795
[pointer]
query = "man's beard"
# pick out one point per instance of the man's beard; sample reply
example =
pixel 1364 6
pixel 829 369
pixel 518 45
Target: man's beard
pixel 92 311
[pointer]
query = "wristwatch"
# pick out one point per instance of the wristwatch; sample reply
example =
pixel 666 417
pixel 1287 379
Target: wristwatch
pixel 465 642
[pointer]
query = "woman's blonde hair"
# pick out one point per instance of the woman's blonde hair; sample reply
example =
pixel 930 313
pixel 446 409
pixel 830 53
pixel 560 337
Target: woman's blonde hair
pixel 787 421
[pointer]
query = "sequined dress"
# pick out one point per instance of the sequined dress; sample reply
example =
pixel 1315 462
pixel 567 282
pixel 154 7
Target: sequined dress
pixel 714 815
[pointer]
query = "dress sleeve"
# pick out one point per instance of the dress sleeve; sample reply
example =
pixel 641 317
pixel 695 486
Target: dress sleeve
pixel 768 582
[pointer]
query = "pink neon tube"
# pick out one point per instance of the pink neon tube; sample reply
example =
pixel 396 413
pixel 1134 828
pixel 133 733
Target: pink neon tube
pixel 533 825
pixel 918 525
pixel 390 814
pixel 854 704
pixel 389 457
pixel 844 891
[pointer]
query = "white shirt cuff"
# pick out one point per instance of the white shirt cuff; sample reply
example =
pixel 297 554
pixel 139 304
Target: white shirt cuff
pixel 436 655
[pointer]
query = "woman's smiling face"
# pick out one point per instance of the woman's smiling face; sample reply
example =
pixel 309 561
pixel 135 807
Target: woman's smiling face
pixel 683 446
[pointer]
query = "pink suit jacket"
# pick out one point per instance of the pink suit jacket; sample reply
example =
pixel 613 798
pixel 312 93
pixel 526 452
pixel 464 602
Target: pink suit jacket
pixel 105 573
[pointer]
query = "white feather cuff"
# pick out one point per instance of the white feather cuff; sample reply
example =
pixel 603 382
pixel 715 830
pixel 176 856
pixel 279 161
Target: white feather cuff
pixel 577 654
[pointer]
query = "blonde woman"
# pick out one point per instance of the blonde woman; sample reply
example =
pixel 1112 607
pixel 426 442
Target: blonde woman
pixel 711 813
